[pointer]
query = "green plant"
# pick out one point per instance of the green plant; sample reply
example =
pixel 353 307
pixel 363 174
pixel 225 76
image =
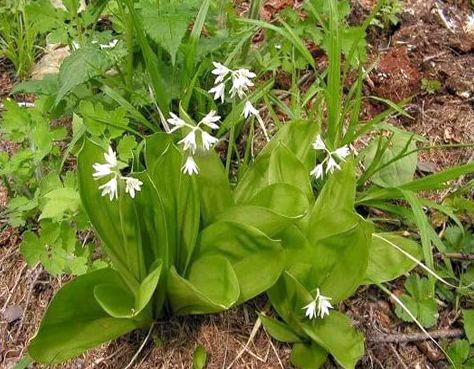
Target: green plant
pixel 431 86
pixel 388 14
pixel 178 245
pixel 18 39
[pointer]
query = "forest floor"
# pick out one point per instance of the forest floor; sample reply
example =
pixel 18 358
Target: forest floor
pixel 431 42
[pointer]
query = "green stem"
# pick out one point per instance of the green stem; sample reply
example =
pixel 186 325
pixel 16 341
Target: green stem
pixel 254 13
pixel 230 148
pixel 128 22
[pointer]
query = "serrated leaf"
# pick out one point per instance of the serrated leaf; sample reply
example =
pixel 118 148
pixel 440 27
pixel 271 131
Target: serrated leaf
pixel 125 148
pixel 168 24
pixel 60 202
pixel 81 66
pixel 419 301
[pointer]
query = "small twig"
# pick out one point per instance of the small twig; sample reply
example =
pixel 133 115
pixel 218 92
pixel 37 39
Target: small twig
pixel 255 329
pixel 12 290
pixel 455 256
pixel 142 346
pixel 413 337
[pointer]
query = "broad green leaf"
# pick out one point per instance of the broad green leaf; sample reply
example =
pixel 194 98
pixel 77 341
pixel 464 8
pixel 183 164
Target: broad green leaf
pixel 256 259
pixel 214 187
pixel 284 167
pixel 458 352
pixel 468 316
pixel 386 263
pixel 271 210
pixel 400 171
pixel 279 330
pixel 297 136
pixel 308 356
pixel 340 239
pixel 180 196
pixel 115 221
pixel 74 322
pixel 212 286
pixel 336 335
pixel 288 297
pixel 156 145
pixel 81 66
pixel 115 299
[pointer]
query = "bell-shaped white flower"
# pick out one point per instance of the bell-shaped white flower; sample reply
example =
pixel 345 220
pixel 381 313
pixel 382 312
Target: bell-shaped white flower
pixel 189 141
pixel 218 91
pixel 319 144
pixel 249 109
pixel 318 171
pixel 342 152
pixel 101 170
pixel 311 310
pixel 332 165
pixel 319 307
pixel 211 119
pixel 323 306
pixel 132 185
pixel 111 157
pixel 241 82
pixel 176 122
pixel 207 140
pixel 190 167
pixel 221 71
pixel 110 188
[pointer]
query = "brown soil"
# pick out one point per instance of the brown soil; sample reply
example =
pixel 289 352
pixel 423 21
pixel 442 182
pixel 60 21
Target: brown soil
pixel 422 46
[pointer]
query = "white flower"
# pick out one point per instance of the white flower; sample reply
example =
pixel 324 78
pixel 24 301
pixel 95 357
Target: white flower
pixel 246 73
pixel 249 109
pixel 221 72
pixel 101 170
pixel 189 142
pixel 190 167
pixel 318 171
pixel 319 307
pixel 132 185
pixel 241 82
pixel 332 165
pixel 110 45
pixel 319 144
pixel 323 304
pixel 110 188
pixel 111 157
pixel 176 121
pixel 310 310
pixel 218 91
pixel 208 140
pixel 211 119
pixel 342 152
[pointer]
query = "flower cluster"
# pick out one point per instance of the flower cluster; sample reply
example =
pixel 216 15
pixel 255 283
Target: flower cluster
pixel 189 141
pixel 330 159
pixel 319 307
pixel 112 168
pixel 241 81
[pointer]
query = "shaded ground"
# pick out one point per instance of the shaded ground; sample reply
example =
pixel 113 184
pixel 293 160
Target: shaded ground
pixel 431 43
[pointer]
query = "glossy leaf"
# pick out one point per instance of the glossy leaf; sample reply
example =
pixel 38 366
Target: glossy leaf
pixel 279 330
pixel 256 259
pixel 387 263
pixel 271 210
pixel 74 322
pixel 336 335
pixel 211 286
pixel 308 356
